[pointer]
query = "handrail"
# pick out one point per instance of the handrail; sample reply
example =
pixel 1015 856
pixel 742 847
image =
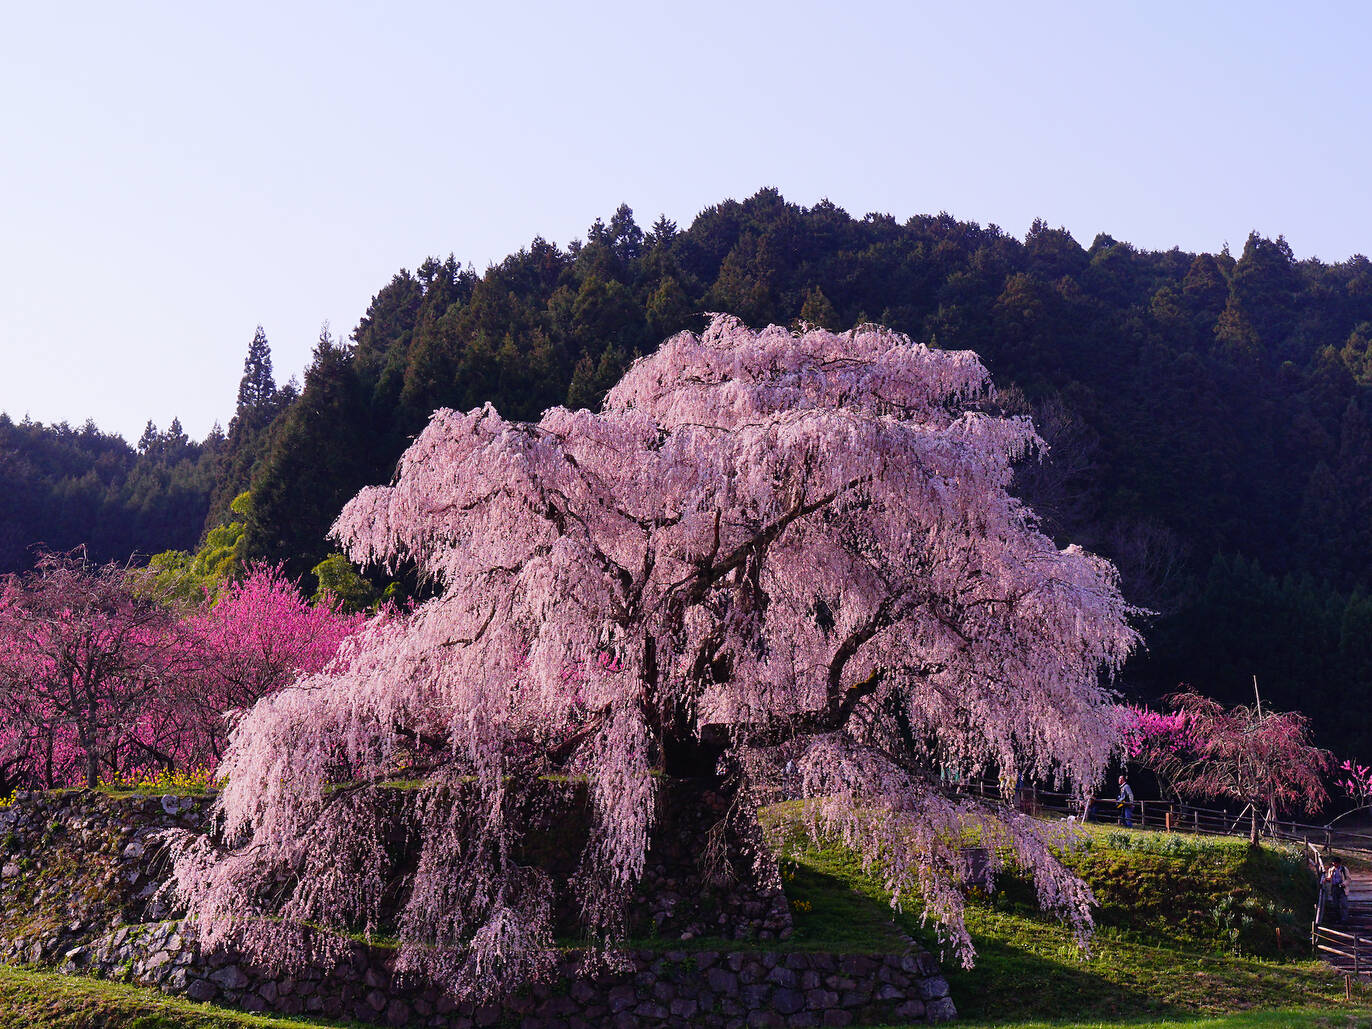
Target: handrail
pixel 1326 940
pixel 1316 858
pixel 1326 931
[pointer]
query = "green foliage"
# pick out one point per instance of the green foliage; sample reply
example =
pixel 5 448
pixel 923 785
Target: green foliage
pixel 66 487
pixel 1144 965
pixel 818 311
pixel 1203 892
pixel 836 904
pixel 1307 641
pixel 340 585
pixel 191 578
pixel 1215 409
pixel 317 459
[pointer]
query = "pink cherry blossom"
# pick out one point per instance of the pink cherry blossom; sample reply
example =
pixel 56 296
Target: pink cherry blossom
pixel 99 679
pixel 1356 782
pixel 1254 755
pixel 764 542
pixel 83 659
pixel 258 636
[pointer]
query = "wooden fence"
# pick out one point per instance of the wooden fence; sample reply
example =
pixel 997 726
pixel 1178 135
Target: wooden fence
pixel 1169 815
pixel 1352 952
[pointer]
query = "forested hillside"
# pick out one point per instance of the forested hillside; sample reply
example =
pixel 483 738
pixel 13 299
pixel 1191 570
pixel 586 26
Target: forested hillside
pixel 63 487
pixel 1209 414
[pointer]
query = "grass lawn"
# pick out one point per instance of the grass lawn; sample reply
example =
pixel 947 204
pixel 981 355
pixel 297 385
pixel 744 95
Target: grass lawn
pixel 1175 957
pixel 30 999
pixel 1357 1017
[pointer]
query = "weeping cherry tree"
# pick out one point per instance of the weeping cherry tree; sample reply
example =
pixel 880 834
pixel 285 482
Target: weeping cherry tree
pixel 765 542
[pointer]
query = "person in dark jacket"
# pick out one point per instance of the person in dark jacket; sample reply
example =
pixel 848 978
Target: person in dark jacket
pixel 1126 802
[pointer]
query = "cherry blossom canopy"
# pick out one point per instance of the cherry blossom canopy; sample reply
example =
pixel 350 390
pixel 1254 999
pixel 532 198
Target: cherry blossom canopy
pixel 763 540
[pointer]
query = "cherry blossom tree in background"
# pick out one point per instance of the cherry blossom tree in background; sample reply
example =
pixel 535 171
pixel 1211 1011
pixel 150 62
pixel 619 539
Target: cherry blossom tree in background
pixel 257 636
pixel 763 540
pixel 84 657
pixel 1261 758
pixel 102 678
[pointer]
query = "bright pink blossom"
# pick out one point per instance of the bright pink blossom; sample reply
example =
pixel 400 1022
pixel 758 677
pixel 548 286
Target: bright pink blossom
pixel 1147 731
pixel 99 679
pixel 257 637
pixel 1259 757
pixel 1357 782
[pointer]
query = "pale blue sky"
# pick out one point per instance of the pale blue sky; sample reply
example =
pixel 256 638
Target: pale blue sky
pixel 171 176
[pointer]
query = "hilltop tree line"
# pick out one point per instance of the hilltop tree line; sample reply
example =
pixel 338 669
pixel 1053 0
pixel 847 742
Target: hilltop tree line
pixel 1208 414
pixel 63 488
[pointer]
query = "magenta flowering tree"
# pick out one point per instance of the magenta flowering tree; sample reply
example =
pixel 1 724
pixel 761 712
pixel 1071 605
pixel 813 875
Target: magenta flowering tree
pixel 1356 781
pixel 256 637
pixel 101 678
pixel 84 660
pixel 763 540
pixel 1263 759
pixel 1155 739
pixel 1147 731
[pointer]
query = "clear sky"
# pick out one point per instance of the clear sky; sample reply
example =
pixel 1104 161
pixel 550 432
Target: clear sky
pixel 173 174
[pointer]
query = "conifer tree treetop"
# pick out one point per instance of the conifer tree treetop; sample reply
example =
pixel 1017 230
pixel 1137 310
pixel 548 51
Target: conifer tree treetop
pixel 257 388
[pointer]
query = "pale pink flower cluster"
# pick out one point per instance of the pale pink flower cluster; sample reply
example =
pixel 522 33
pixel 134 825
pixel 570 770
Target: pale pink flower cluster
pixel 764 539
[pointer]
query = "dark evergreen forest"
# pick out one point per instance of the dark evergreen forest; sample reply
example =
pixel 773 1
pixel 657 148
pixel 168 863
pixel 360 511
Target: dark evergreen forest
pixel 1209 414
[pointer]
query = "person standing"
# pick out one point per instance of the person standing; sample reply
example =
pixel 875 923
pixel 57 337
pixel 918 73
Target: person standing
pixel 1337 880
pixel 1126 802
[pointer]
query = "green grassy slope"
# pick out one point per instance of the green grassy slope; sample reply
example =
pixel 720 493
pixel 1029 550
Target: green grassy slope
pixel 30 999
pixel 1187 932
pixel 1172 948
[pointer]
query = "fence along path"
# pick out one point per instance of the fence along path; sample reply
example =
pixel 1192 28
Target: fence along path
pixel 1346 946
pixel 1173 816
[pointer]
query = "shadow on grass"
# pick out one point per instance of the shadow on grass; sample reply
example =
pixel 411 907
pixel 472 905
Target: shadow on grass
pixel 1028 969
pixel 829 914
pixel 1009 984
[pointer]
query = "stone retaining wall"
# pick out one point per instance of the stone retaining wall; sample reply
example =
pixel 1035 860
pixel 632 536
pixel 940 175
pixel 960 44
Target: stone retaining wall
pixel 80 871
pixel 661 988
